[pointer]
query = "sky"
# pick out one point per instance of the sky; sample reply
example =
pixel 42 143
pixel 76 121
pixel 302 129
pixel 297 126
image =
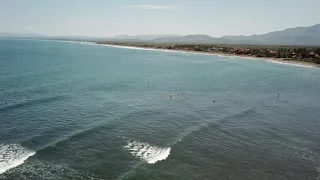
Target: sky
pixel 105 18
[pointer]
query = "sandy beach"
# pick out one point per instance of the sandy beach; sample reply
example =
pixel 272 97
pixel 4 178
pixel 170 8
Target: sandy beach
pixel 272 60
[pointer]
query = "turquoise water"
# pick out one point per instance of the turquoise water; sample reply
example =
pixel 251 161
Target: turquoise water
pixel 79 111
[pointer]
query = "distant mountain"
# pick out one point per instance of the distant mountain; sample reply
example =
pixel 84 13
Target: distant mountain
pixel 46 37
pixel 306 36
pixel 309 36
pixel 76 38
pixel 7 35
pixel 21 35
pixel 141 37
pixel 292 36
pixel 198 38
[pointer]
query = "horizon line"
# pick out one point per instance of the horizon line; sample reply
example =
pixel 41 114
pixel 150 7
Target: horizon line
pixel 169 34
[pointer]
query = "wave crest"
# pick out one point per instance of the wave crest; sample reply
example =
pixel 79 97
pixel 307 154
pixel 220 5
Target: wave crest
pixel 146 152
pixel 12 155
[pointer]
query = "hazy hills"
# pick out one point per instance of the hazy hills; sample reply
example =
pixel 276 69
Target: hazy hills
pixel 308 36
pixel 142 37
pixel 293 36
pixel 198 38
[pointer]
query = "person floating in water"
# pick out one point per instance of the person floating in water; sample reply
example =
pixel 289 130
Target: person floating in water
pixel 171 96
pixel 278 96
pixel 213 101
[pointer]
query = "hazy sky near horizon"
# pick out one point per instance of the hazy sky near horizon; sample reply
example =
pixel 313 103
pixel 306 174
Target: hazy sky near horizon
pixel 109 18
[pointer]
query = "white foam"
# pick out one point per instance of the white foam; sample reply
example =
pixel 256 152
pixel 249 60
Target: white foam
pixel 146 152
pixel 154 49
pixel 84 42
pixel 297 64
pixel 13 155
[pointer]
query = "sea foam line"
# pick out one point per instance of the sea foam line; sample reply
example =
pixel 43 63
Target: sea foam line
pixel 296 64
pixel 12 155
pixel 146 152
pixel 153 49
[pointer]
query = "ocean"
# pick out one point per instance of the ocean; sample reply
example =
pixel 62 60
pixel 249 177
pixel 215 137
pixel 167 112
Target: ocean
pixel 71 110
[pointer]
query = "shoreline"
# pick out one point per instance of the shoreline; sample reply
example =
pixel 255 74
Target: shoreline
pixel 267 59
pixel 220 54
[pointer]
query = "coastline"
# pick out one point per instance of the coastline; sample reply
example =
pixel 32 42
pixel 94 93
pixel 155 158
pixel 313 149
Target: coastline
pixel 267 59
pixel 221 54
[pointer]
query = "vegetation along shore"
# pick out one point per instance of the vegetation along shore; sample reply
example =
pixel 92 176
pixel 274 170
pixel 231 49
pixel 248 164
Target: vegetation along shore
pixel 300 54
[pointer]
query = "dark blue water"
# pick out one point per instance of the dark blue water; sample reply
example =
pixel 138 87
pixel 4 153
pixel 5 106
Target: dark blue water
pixel 80 111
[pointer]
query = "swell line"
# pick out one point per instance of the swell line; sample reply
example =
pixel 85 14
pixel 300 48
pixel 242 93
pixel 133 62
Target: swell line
pixel 29 103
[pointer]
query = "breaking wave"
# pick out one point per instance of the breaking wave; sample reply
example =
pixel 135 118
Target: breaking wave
pixel 42 170
pixel 146 152
pixel 13 155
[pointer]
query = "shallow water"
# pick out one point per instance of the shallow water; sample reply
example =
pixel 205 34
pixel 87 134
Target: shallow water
pixel 79 111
